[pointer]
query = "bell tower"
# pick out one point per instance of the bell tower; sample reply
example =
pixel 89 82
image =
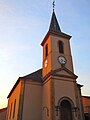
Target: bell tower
pixel 61 95
pixel 56 48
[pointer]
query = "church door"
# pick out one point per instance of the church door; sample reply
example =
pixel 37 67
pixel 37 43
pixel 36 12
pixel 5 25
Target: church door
pixel 66 111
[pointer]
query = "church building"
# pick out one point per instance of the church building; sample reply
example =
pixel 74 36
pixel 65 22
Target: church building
pixel 52 92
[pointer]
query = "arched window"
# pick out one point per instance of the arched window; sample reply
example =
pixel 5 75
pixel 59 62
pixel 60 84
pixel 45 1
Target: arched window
pixel 60 45
pixel 10 111
pixel 46 50
pixel 14 108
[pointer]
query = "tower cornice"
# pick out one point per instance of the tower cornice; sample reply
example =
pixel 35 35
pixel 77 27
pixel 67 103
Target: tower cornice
pixel 60 34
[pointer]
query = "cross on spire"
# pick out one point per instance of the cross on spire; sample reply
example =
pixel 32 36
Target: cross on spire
pixel 53 4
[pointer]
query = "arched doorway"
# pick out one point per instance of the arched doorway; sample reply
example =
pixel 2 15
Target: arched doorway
pixel 66 110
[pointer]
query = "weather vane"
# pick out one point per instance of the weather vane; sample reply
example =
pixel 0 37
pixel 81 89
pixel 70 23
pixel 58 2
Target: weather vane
pixel 53 4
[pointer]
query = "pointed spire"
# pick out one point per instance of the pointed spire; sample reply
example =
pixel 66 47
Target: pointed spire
pixel 54 26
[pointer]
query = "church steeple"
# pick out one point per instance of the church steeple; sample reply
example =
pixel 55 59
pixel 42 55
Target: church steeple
pixel 55 44
pixel 54 26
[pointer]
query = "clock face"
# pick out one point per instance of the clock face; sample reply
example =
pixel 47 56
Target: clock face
pixel 62 60
pixel 46 62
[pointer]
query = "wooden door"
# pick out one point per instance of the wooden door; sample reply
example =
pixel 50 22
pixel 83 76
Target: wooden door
pixel 66 111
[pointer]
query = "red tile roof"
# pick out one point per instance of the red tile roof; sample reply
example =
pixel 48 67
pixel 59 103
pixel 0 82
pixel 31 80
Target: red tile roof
pixel 3 109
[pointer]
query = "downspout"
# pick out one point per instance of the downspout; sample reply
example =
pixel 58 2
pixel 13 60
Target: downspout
pixel 21 100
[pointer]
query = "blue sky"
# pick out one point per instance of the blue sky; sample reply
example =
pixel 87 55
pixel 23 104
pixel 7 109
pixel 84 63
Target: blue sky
pixel 23 25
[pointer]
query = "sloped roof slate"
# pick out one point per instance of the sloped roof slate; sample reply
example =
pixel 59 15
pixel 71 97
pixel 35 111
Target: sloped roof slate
pixel 35 76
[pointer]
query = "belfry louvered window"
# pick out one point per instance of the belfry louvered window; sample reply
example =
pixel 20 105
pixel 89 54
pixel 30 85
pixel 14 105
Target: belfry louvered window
pixel 60 45
pixel 46 50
